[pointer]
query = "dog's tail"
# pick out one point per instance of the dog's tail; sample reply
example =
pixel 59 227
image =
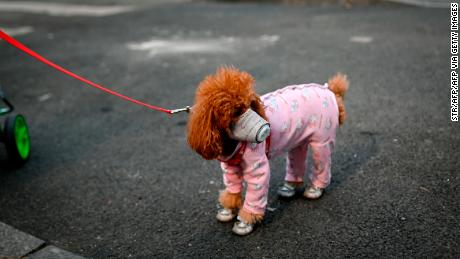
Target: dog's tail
pixel 338 84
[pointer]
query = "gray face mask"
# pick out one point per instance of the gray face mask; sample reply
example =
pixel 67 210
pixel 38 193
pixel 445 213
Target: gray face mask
pixel 250 127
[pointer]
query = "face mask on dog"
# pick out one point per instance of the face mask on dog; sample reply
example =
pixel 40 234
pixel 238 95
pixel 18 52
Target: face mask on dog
pixel 250 127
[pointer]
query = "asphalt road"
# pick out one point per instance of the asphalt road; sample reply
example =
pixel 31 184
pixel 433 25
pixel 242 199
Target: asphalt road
pixel 108 179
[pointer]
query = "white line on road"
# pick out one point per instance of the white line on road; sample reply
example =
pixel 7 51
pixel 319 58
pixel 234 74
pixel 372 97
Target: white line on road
pixel 45 97
pixel 158 46
pixel 57 9
pixel 425 3
pixel 18 30
pixel 361 39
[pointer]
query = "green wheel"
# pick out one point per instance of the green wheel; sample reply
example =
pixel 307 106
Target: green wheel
pixel 17 139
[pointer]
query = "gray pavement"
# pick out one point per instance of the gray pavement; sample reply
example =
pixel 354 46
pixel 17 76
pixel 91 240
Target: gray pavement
pixel 111 180
pixel 17 244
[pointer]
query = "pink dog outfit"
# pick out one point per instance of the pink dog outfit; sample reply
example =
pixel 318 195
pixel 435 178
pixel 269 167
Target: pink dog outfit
pixel 299 116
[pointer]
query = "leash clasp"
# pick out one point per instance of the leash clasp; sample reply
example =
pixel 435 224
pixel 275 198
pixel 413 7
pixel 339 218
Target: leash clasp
pixel 185 109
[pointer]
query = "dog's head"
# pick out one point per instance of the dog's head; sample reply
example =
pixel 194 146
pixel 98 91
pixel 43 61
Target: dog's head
pixel 220 100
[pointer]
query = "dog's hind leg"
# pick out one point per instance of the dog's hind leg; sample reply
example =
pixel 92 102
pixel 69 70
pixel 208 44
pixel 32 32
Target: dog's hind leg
pixel 296 164
pixel 321 173
pixel 295 171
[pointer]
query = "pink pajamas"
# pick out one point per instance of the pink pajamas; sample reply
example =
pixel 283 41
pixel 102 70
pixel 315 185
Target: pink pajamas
pixel 300 117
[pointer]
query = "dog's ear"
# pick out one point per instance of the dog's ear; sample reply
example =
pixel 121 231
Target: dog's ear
pixel 203 135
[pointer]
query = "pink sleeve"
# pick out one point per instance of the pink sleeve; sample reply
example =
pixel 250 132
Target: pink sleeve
pixel 232 178
pixel 256 173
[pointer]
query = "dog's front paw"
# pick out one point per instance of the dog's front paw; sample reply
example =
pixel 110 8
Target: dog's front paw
pixel 230 200
pixel 242 228
pixel 250 218
pixel 246 222
pixel 225 215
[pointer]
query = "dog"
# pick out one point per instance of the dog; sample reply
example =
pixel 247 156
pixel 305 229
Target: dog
pixel 300 117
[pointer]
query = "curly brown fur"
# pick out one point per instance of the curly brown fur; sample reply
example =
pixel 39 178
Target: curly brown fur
pixel 338 84
pixel 249 217
pixel 220 99
pixel 230 200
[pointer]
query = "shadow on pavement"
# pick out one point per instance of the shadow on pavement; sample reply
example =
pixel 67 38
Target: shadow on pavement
pixel 348 160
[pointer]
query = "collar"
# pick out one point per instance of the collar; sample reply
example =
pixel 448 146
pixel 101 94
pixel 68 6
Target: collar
pixel 237 155
pixel 235 158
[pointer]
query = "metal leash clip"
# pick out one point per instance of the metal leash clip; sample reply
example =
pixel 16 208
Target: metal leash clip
pixel 185 109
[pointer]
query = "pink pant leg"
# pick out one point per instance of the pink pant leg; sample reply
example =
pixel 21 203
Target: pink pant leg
pixel 296 164
pixel 233 178
pixel 257 178
pixel 321 173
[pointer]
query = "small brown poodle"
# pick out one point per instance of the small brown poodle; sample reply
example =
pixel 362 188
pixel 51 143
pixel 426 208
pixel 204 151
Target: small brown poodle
pixel 300 117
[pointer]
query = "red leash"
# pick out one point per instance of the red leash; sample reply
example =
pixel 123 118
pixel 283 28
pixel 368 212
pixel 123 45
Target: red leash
pixel 24 49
